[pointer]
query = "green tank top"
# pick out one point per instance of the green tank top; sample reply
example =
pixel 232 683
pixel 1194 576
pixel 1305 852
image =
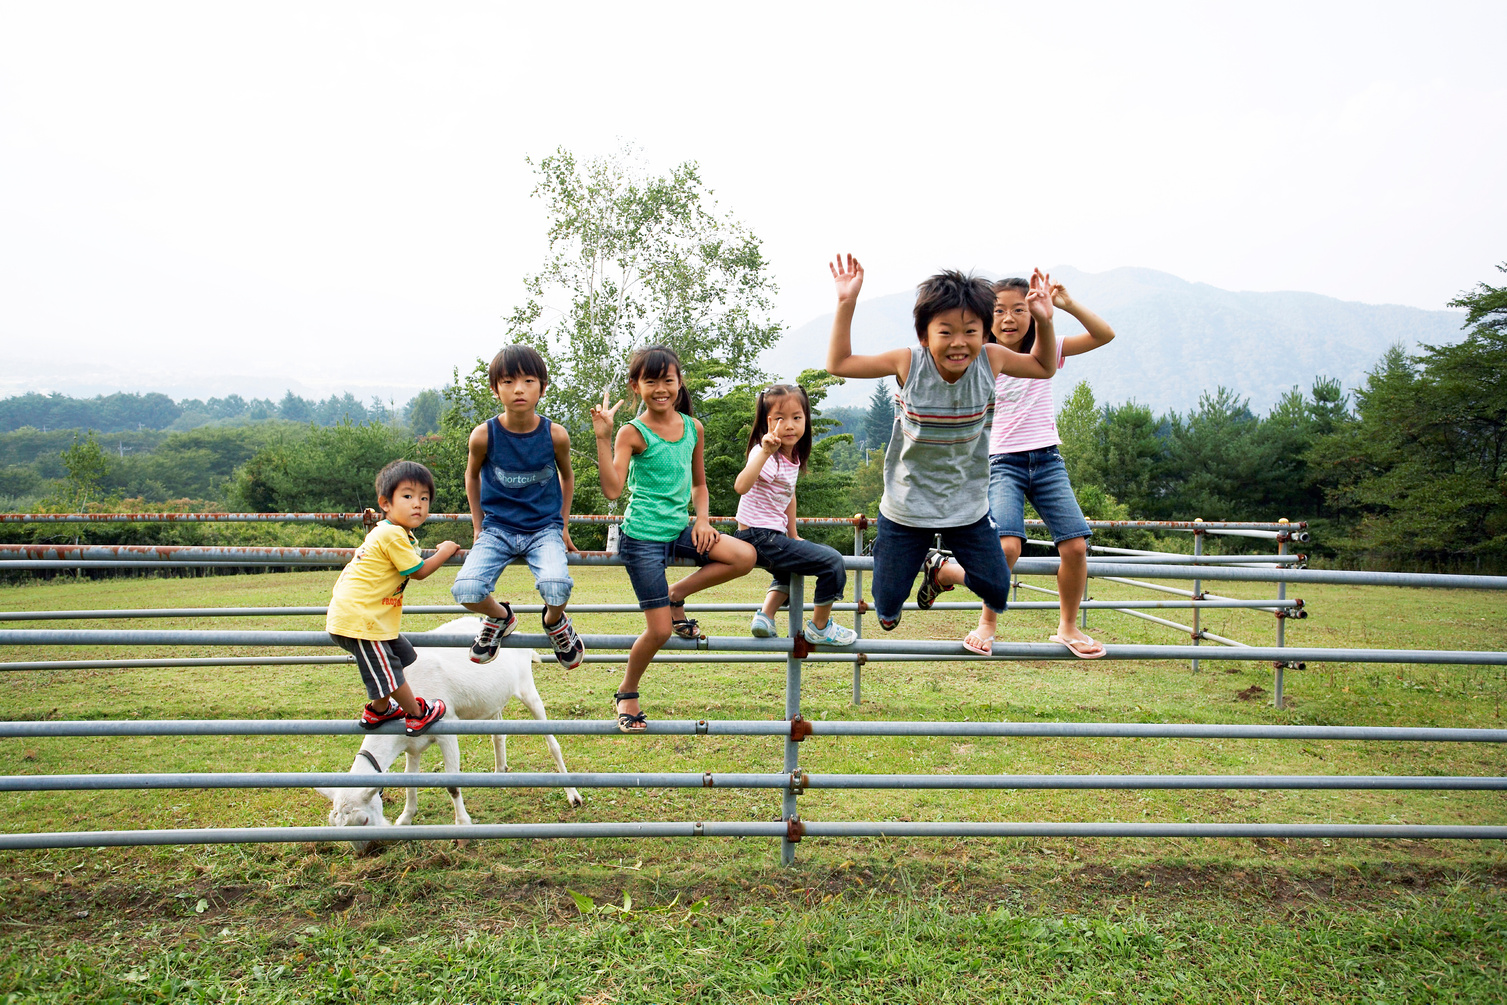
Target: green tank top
pixel 659 484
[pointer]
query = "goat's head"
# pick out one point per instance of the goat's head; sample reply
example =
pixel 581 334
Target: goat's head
pixel 355 808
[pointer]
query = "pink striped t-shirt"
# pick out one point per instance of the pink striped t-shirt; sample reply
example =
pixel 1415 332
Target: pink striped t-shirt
pixel 1024 415
pixel 766 503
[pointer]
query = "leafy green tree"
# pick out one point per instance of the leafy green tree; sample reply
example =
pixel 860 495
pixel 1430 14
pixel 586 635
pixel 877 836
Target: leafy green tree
pixel 1079 424
pixel 880 421
pixel 637 258
pixel 295 409
pixel 87 466
pixel 330 469
pixel 423 412
pixel 1422 469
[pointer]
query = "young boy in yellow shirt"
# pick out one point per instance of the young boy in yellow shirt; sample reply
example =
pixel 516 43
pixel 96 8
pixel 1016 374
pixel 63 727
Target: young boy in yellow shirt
pixel 367 606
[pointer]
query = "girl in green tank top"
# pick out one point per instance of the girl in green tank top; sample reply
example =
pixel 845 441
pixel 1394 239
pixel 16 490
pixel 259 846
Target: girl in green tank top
pixel 658 457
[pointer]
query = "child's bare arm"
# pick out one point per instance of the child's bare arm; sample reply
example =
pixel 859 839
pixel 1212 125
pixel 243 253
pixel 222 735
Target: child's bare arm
pixel 612 456
pixel 840 359
pixel 1097 330
pixel 757 458
pixel 476 456
pixel 561 441
pixel 790 530
pixel 441 555
pixel 702 534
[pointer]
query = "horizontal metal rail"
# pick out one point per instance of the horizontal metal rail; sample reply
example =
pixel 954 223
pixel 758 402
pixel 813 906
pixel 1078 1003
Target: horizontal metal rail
pixel 858 520
pixel 1023 566
pixel 725 780
pixel 694 608
pixel 751 727
pixel 899 647
pixel 714 828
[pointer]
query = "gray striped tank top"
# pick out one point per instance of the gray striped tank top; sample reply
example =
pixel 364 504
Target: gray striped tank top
pixel 936 468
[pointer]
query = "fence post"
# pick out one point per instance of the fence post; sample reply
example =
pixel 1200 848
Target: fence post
pixel 793 710
pixel 1281 632
pixel 1198 593
pixel 859 522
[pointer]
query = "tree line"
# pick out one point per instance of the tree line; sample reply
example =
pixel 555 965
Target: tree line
pixel 122 412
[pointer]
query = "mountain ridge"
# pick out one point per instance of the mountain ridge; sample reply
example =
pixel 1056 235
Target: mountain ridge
pixel 1175 339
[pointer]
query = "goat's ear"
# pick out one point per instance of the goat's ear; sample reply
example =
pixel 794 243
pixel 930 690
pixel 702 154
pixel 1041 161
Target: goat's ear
pixel 327 793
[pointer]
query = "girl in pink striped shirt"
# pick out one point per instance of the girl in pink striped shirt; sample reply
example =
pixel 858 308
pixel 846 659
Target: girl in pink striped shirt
pixel 1024 465
pixel 778 447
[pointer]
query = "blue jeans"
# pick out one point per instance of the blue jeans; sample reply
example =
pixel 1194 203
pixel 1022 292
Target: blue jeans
pixel 1041 477
pixel 544 550
pixel 899 551
pixel 784 556
pixel 646 561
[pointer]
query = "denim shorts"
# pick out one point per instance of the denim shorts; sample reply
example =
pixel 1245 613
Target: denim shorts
pixel 544 550
pixel 646 562
pixel 1038 476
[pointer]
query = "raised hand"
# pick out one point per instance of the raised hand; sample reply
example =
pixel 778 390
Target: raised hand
pixel 1061 298
pixel 603 417
pixel 848 277
pixel 770 443
pixel 1039 296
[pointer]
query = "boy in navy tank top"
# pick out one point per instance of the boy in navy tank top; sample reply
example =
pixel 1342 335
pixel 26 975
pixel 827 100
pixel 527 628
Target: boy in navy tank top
pixel 519 484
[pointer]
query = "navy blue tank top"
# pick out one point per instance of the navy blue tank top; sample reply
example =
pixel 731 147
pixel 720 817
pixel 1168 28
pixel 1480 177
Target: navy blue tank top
pixel 520 486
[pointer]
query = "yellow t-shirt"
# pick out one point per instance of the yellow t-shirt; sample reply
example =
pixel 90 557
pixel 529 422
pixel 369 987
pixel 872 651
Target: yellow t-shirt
pixel 368 598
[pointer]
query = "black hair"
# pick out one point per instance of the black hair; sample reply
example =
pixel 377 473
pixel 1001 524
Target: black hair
pixel 949 290
pixel 516 360
pixel 653 362
pixel 1023 286
pixel 802 448
pixel 398 472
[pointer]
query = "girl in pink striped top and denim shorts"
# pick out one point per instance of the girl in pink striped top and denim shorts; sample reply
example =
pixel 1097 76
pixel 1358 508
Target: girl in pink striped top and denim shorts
pixel 1024 464
pixel 778 448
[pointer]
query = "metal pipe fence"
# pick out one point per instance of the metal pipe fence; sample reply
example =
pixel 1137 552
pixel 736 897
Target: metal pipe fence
pixel 792 782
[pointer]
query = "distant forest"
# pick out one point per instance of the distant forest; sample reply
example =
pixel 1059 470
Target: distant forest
pixel 117 413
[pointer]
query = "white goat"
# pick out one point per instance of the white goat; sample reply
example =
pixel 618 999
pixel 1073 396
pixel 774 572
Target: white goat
pixel 471 691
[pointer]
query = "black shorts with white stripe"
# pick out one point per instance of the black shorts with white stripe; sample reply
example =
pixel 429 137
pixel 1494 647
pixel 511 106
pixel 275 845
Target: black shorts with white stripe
pixel 381 662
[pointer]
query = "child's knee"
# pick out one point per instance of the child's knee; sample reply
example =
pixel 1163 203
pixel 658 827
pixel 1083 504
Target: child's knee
pixel 656 636
pixel 555 592
pixel 1073 547
pixel 469 591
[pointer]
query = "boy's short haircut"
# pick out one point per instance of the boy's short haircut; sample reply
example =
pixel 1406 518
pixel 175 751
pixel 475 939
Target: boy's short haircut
pixel 398 472
pixel 949 290
pixel 516 360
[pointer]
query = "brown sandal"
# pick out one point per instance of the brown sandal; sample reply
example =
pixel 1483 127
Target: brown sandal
pixel 635 723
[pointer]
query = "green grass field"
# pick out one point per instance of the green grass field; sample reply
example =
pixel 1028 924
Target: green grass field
pixel 718 920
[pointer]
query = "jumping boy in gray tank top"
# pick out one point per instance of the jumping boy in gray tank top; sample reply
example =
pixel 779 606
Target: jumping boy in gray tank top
pixel 936 468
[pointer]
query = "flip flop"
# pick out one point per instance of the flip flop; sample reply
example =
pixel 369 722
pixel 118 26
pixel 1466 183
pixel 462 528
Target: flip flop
pixel 976 643
pixel 1077 647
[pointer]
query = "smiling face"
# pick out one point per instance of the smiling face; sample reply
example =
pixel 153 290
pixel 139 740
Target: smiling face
pixel 519 393
pixel 787 420
pixel 408 506
pixel 659 393
pixel 954 338
pixel 1012 318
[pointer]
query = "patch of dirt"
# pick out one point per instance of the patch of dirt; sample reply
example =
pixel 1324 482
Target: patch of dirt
pixel 1253 693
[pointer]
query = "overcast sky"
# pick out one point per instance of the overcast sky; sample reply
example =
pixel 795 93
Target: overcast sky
pixel 331 196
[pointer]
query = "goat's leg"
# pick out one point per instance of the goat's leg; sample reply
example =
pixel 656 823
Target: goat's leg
pixel 499 750
pixel 530 697
pixel 411 764
pixel 450 752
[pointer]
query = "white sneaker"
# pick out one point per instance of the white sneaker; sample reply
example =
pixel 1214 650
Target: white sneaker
pixel 833 635
pixel 763 627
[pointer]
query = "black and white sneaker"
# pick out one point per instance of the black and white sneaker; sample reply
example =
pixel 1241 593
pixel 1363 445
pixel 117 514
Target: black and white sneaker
pixel 569 649
pixel 493 631
pixel 930 587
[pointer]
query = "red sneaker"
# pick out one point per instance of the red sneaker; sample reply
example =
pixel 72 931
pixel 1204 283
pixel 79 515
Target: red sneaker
pixel 371 720
pixel 430 712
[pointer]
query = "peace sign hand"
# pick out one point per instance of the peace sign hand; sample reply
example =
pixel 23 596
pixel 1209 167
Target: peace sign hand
pixel 1039 297
pixel 603 418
